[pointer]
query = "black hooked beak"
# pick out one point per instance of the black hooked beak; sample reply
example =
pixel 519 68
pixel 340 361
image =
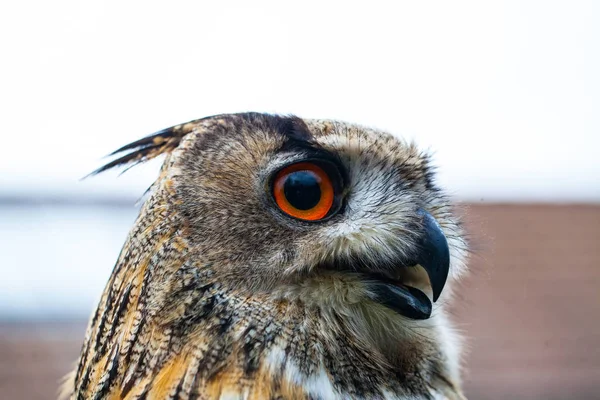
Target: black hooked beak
pixel 433 255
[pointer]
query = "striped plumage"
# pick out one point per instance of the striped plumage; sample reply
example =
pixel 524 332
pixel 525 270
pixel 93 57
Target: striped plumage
pixel 217 295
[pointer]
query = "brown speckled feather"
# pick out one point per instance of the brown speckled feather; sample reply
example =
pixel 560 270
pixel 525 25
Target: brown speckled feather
pixel 217 295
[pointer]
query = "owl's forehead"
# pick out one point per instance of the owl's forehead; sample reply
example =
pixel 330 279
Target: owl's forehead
pixel 262 143
pixel 362 143
pixel 377 156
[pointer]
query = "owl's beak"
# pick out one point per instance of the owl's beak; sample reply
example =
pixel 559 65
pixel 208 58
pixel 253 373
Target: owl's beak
pixel 433 255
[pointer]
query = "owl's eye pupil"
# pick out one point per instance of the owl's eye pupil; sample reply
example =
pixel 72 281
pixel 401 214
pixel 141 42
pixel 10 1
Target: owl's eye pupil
pixel 302 189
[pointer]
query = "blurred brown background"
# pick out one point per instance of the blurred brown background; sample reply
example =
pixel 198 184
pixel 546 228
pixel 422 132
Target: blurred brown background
pixel 529 311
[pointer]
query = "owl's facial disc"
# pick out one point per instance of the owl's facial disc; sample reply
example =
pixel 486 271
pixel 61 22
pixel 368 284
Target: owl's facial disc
pixel 311 190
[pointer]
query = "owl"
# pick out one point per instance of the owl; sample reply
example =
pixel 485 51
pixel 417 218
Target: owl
pixel 279 258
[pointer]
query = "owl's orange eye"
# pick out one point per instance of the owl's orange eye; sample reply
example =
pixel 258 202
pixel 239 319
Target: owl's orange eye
pixel 304 191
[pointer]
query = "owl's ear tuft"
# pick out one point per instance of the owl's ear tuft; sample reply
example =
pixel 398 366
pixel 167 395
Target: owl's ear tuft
pixel 162 142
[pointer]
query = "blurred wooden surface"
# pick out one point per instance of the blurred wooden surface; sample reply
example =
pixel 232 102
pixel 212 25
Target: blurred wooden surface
pixel 531 306
pixel 530 311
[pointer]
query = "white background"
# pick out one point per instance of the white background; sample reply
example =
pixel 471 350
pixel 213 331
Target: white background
pixel 506 95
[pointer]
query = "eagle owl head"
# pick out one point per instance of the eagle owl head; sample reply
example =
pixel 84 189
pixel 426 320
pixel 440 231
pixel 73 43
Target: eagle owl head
pixel 278 257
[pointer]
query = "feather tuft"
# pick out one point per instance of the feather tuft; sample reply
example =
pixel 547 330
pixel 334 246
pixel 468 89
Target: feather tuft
pixel 142 150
